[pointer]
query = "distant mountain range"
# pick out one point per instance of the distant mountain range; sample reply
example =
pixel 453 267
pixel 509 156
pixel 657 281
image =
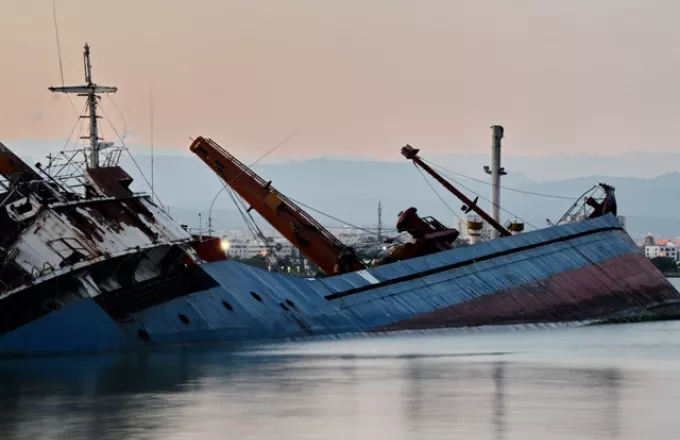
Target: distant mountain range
pixel 350 190
pixel 539 169
pixel 648 186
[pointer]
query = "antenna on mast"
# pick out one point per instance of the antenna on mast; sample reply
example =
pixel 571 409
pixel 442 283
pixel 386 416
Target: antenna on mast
pixel 379 222
pixel 151 136
pixel 56 31
pixel 91 91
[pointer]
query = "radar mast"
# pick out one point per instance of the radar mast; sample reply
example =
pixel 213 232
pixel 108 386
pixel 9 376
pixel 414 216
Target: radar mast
pixel 92 91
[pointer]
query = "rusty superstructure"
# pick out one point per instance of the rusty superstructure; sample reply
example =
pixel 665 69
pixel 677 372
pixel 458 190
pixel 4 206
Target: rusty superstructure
pixel 67 236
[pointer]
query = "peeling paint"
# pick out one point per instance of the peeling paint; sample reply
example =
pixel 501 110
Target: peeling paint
pixel 62 237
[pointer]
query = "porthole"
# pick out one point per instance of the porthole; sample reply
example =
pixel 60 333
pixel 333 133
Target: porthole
pixel 256 296
pixel 227 306
pixel 143 335
pixel 283 306
pixel 291 304
pixel 184 318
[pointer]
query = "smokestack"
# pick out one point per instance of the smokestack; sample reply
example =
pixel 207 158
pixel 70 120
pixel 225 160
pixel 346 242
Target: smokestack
pixel 496 171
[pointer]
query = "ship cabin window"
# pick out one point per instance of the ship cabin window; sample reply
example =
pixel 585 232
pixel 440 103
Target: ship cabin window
pixel 184 318
pixel 283 306
pixel 256 296
pixel 227 306
pixel 291 304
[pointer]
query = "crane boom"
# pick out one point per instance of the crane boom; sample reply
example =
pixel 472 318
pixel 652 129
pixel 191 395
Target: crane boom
pixel 412 154
pixel 297 226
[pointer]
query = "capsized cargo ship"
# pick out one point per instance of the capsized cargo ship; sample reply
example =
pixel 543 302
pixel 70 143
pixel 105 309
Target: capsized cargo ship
pixel 88 265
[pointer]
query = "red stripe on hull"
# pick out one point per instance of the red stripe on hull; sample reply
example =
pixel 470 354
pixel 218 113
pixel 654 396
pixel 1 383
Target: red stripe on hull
pixel 626 283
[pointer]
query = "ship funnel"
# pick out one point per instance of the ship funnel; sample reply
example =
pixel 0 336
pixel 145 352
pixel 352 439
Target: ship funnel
pixel 496 171
pixel 14 169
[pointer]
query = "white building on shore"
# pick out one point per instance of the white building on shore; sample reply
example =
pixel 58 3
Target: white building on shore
pixel 245 248
pixel 661 248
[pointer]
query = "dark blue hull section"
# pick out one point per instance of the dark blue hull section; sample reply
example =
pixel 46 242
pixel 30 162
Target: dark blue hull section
pixel 592 267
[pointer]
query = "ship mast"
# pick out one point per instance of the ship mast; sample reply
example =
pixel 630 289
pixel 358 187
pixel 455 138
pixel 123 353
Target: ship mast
pixel 92 92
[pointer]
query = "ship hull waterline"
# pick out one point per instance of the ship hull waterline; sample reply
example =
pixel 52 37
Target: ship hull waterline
pixel 584 272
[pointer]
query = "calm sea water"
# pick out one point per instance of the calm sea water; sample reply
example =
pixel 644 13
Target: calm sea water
pixel 600 382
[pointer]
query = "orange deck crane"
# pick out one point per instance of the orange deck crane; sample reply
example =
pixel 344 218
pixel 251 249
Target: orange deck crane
pixel 298 227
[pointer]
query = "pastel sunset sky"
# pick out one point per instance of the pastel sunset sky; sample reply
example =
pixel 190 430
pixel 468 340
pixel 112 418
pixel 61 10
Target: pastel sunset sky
pixel 355 77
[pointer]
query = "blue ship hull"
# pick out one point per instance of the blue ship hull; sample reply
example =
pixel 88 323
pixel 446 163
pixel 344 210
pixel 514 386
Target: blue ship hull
pixel 582 272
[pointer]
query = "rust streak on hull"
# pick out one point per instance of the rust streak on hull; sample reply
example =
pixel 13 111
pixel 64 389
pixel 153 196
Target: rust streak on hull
pixel 615 285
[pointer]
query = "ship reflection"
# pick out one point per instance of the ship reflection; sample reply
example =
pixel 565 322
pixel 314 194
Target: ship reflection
pixel 209 394
pixel 476 399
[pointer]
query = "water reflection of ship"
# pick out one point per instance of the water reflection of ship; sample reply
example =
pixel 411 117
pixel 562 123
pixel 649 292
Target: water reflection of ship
pixel 102 396
pixel 500 397
pixel 108 396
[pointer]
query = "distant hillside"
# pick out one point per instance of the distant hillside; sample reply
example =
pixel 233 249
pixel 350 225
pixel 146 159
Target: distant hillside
pixel 351 191
pixel 560 167
pixel 555 167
